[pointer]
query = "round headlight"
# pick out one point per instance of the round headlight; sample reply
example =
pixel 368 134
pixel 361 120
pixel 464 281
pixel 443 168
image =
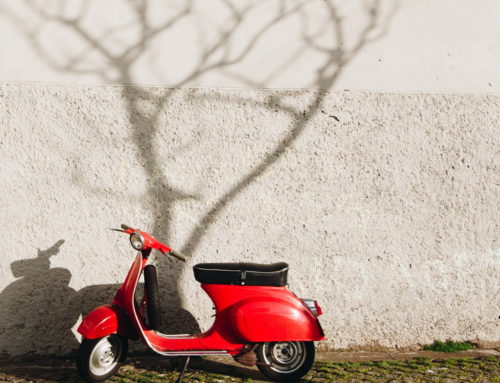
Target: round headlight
pixel 136 240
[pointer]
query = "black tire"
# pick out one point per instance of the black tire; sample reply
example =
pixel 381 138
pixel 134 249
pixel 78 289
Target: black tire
pixel 152 297
pixel 285 361
pixel 98 359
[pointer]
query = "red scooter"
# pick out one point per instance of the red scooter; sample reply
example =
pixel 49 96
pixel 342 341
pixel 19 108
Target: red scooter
pixel 258 320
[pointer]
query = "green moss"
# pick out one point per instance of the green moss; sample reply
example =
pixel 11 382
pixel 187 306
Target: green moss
pixel 396 363
pixel 346 365
pixel 481 370
pixel 381 364
pixel 449 346
pixel 415 366
pixel 492 359
pixel 323 369
pixel 450 362
pixel 362 369
pixel 422 361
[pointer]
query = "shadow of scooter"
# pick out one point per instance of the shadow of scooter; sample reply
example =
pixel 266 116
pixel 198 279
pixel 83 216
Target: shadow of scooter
pixel 39 309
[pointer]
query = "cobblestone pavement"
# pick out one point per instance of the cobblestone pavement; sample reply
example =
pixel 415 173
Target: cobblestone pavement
pixel 329 367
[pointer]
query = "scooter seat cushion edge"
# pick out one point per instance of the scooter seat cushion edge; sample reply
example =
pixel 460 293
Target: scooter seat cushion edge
pixel 244 274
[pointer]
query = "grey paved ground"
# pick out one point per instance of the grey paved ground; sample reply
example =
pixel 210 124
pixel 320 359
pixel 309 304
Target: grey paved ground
pixel 470 366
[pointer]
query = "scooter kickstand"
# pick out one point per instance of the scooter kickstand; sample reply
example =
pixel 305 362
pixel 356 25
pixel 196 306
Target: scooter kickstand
pixel 181 374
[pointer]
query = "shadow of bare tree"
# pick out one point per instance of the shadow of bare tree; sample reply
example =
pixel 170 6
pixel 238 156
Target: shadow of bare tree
pixel 144 107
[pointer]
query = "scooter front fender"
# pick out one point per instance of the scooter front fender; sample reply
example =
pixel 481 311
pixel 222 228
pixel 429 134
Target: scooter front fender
pixel 106 320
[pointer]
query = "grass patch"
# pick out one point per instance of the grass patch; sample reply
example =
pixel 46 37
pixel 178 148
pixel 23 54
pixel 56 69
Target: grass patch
pixel 449 346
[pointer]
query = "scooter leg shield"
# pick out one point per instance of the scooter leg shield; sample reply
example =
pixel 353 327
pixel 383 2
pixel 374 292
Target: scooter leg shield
pixel 106 320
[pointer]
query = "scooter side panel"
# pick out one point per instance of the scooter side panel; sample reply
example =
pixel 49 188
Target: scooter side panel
pixel 263 314
pixel 106 320
pixel 272 320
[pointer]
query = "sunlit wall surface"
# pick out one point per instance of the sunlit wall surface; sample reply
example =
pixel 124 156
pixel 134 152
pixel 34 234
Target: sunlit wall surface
pixel 355 140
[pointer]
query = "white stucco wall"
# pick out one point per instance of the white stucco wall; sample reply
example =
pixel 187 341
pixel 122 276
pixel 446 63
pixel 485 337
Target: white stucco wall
pixel 384 201
pixel 384 205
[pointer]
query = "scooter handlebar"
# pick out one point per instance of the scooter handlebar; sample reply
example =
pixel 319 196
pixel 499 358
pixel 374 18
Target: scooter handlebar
pixel 126 227
pixel 151 242
pixel 177 255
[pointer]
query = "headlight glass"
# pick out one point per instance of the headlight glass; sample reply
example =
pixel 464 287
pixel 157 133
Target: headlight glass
pixel 136 240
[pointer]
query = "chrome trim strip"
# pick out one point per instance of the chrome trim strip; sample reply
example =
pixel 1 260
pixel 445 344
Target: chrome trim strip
pixel 134 310
pixel 177 336
pixel 192 353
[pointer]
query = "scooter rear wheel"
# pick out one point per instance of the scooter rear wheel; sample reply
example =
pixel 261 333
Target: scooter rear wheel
pixel 285 361
pixel 98 359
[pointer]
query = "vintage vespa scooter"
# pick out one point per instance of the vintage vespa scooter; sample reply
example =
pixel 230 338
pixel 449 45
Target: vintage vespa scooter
pixel 258 320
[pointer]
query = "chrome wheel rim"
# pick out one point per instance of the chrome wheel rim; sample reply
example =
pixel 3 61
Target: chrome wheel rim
pixel 105 355
pixel 284 357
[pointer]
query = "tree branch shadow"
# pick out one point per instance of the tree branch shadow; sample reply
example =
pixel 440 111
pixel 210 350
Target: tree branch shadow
pixel 221 55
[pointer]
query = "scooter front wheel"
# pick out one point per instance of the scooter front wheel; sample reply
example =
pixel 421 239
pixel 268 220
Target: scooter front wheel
pixel 285 361
pixel 98 359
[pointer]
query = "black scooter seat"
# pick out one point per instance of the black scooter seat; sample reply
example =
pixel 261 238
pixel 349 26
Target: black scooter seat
pixel 249 274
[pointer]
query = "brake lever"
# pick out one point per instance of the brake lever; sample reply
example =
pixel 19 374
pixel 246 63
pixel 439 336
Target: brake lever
pixel 118 230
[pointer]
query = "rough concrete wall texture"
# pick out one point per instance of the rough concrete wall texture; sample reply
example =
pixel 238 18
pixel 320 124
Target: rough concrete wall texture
pixel 385 205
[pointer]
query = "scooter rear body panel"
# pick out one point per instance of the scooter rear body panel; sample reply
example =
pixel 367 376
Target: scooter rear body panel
pixel 262 314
